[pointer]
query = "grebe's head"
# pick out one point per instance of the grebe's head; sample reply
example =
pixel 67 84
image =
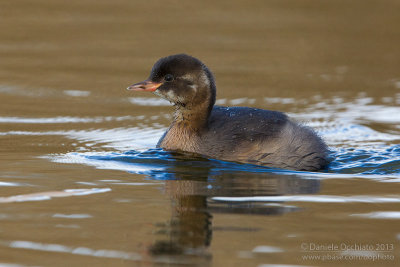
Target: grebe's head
pixel 181 79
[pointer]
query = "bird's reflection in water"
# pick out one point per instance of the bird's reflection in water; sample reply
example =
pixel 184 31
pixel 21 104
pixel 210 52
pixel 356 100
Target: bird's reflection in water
pixel 188 234
pixel 192 182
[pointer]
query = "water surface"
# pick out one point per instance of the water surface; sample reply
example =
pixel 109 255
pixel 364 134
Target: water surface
pixel 82 184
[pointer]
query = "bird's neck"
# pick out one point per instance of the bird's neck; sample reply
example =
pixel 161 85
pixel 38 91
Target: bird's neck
pixel 194 118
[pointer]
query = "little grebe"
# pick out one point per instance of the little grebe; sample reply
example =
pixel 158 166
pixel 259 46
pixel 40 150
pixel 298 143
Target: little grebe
pixel 240 134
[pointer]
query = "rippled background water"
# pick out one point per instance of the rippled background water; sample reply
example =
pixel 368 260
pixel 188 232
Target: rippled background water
pixel 82 184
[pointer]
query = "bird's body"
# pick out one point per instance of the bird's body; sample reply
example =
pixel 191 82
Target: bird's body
pixel 239 134
pixel 249 135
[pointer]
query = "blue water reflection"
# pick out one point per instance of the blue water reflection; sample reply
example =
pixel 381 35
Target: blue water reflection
pixel 383 161
pixel 162 165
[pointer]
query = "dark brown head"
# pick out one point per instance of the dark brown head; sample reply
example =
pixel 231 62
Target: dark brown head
pixel 181 79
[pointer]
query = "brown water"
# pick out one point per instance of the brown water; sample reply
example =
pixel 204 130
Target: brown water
pixel 82 185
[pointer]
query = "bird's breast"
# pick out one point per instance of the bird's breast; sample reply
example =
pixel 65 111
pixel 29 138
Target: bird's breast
pixel 179 137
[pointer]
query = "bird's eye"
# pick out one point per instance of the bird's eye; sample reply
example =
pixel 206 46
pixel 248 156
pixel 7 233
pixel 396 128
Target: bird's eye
pixel 168 78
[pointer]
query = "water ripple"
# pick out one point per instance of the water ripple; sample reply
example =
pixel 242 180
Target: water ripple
pixel 380 165
pixel 379 215
pixel 61 119
pixel 313 198
pixel 382 161
pixel 358 149
pixel 102 253
pixel 51 194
